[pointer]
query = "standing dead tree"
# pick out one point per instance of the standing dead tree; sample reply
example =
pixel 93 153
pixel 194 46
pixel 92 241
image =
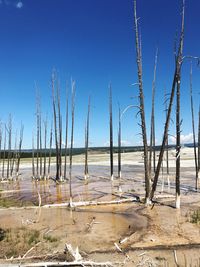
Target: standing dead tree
pixel 1 133
pixel 55 126
pixel 50 149
pixel 141 107
pixel 4 153
pixel 193 129
pixel 72 140
pixel 176 81
pixel 45 148
pixel 59 131
pixel 167 141
pixel 33 157
pixel 152 134
pixel 199 142
pixel 66 135
pixel 111 133
pixel 18 154
pixel 9 130
pixel 87 141
pixel 119 145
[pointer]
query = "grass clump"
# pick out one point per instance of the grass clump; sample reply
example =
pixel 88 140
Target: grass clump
pixel 195 217
pixel 50 238
pixel 34 237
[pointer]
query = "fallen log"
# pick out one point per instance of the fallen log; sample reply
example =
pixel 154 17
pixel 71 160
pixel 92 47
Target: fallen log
pixel 58 264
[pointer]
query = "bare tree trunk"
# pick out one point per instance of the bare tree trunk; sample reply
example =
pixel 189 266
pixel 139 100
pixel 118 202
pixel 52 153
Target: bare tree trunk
pixel 87 140
pixel 19 150
pixel 178 143
pixel 33 157
pixel 193 130
pixel 111 135
pixel 13 157
pixel 175 79
pixel 167 140
pixel 45 148
pixel 152 134
pixel 142 110
pixel 60 132
pixel 72 140
pixel 119 146
pixel 40 134
pixel 0 147
pixel 55 128
pixel 9 145
pixel 66 138
pixel 199 143
pixel 4 153
pixel 50 149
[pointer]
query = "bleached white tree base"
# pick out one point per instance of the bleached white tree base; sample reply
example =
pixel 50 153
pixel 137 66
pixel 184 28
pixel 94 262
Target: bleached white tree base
pixel 178 201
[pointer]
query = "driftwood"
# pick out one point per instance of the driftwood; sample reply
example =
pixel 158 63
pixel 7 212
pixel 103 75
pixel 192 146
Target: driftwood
pixel 55 264
pixel 92 203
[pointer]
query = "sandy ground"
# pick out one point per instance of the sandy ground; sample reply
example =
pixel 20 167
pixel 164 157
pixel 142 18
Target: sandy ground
pixel 158 235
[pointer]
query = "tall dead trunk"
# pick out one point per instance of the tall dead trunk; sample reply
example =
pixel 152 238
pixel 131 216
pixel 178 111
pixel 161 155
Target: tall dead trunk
pixel 72 140
pixel 111 134
pixel 174 83
pixel 9 145
pixel 199 142
pixel 87 140
pixel 19 150
pixel 60 132
pixel 0 146
pixel 38 133
pixel 152 134
pixel 50 149
pixel 119 145
pixel 66 136
pixel 45 148
pixel 178 141
pixel 4 153
pixel 193 130
pixel 55 128
pixel 33 157
pixel 167 140
pixel 142 109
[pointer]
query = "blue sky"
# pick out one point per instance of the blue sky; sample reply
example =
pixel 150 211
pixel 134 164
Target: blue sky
pixel 93 42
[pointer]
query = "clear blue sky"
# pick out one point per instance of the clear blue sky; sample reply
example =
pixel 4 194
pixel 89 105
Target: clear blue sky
pixel 93 42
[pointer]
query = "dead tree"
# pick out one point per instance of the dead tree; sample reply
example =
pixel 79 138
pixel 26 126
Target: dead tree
pixel 199 142
pixel 193 129
pixel 119 145
pixel 176 79
pixel 45 148
pixel 66 136
pixel 40 138
pixel 141 106
pixel 111 134
pixel 0 144
pixel 152 134
pixel 59 131
pixel 13 157
pixel 33 157
pixel 167 141
pixel 9 129
pixel 50 149
pixel 38 132
pixel 4 153
pixel 87 140
pixel 18 157
pixel 72 140
pixel 55 127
